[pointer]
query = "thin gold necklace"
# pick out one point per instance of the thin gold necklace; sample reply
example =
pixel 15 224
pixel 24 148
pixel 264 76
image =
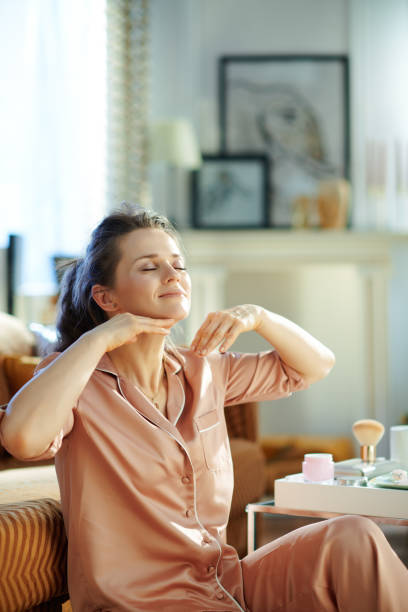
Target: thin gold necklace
pixel 153 398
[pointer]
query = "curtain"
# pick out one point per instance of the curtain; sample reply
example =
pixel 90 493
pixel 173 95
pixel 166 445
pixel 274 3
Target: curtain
pixel 127 74
pixel 73 111
pixel 52 109
pixel 379 112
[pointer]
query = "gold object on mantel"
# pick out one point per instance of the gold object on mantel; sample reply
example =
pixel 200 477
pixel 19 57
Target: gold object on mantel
pixel 327 210
pixel 333 203
pixel 305 213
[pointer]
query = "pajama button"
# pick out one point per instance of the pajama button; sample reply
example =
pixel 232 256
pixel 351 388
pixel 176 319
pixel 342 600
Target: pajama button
pixel 210 568
pixel 189 512
pixel 185 480
pixel 220 596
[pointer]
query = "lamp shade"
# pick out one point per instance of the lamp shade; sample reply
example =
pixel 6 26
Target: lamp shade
pixel 174 141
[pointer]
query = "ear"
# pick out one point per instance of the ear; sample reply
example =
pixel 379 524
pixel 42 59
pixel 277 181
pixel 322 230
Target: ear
pixel 104 297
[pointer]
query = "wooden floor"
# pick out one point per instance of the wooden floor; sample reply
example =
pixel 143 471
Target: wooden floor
pixel 275 526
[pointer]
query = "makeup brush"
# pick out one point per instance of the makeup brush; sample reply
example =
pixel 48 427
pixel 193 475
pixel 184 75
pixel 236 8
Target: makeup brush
pixel 368 433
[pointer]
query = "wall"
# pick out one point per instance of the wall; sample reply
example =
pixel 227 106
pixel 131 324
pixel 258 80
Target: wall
pixel 187 38
pixel 310 297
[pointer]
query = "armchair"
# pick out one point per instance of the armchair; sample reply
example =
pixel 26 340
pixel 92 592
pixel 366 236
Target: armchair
pixel 249 469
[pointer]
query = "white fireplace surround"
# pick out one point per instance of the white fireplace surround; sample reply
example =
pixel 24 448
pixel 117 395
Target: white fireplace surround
pixel 348 288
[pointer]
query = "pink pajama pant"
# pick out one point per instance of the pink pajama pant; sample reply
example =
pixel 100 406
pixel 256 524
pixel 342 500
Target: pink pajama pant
pixel 341 564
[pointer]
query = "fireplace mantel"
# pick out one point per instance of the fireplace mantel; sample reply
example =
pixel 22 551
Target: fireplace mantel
pixel 267 248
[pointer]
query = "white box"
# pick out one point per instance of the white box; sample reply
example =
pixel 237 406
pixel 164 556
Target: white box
pixel 292 492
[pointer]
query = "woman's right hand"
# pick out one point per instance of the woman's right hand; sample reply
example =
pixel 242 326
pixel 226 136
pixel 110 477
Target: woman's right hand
pixel 41 408
pixel 125 327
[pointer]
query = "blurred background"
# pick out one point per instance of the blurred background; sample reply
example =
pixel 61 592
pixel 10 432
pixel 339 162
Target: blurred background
pixel 150 100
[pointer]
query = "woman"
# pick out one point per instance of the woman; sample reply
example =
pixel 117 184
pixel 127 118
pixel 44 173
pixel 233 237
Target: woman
pixel 141 449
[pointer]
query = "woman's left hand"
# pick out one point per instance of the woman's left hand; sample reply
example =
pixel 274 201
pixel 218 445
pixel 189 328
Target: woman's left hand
pixel 224 326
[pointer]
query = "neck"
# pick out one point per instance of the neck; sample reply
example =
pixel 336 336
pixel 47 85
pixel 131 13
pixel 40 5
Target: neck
pixel 141 362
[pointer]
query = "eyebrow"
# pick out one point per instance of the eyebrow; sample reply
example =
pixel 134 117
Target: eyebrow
pixel 152 255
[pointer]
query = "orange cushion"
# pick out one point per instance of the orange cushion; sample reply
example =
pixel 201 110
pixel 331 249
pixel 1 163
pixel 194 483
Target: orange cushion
pixel 18 370
pixel 34 545
pixel 285 447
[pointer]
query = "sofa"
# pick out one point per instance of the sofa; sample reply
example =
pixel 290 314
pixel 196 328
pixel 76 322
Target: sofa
pixel 32 536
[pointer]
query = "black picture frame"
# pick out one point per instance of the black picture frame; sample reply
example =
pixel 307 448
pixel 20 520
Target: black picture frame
pixel 293 108
pixel 231 192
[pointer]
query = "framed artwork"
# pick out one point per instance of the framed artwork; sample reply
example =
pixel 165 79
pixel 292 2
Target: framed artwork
pixel 295 110
pixel 231 192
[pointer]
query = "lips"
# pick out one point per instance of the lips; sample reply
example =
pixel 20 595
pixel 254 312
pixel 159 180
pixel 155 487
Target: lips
pixel 172 294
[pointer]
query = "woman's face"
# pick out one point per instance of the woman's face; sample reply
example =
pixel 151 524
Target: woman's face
pixel 150 278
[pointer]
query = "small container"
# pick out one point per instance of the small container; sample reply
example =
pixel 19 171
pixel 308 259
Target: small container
pixel 318 467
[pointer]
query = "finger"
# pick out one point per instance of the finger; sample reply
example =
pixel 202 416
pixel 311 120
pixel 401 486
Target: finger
pixel 215 338
pixel 233 334
pixel 126 318
pixel 153 329
pixel 205 331
pixel 159 322
pixel 214 334
pixel 161 330
pixel 202 330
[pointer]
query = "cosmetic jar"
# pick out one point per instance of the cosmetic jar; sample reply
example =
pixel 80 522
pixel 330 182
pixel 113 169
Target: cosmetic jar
pixel 318 467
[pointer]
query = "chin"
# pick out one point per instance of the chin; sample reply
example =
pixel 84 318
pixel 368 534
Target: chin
pixel 178 311
pixel 179 314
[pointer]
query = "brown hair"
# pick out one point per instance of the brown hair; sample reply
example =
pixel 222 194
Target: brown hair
pixel 77 310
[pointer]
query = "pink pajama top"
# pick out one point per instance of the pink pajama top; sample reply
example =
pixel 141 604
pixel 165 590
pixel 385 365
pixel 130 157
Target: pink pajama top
pixel 146 498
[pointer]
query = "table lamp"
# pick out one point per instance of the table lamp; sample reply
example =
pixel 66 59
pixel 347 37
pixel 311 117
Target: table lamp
pixel 173 141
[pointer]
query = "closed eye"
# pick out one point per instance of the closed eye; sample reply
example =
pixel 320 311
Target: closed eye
pixel 151 269
pixel 178 263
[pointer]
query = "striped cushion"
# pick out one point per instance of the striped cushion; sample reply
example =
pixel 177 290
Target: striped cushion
pixel 33 550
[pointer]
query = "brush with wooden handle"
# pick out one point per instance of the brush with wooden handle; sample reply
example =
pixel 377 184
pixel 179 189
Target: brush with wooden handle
pixel 368 433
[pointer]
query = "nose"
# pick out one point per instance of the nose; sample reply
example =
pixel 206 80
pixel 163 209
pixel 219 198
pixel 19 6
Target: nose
pixel 170 273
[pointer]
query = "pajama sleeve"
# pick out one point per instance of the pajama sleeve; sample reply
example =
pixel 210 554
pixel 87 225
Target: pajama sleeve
pixel 55 445
pixel 258 377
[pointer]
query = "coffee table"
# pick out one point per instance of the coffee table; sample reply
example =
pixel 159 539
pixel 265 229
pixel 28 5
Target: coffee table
pixel 269 507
